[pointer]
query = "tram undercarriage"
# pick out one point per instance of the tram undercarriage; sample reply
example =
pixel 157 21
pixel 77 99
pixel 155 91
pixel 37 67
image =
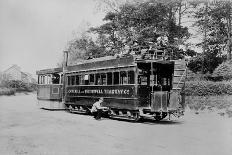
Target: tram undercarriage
pixel 133 115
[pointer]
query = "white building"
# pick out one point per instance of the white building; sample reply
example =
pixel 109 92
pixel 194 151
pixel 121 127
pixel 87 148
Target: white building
pixel 15 73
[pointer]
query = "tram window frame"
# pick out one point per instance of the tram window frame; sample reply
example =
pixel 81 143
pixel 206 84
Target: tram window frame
pixel 131 77
pixel 109 78
pixel 123 78
pixel 116 78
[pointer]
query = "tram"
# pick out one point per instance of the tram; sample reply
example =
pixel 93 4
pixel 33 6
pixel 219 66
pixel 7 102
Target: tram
pixel 133 86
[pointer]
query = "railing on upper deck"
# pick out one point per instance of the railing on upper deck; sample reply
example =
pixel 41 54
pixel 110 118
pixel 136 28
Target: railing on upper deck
pixel 149 52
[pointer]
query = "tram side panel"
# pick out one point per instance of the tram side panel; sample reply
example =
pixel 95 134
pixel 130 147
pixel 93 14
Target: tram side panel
pixel 115 97
pixel 50 97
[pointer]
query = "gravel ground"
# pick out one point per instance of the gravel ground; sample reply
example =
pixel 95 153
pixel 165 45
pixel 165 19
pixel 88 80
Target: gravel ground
pixel 26 129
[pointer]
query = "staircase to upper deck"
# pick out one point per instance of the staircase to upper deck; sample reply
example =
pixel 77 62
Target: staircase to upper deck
pixel 177 97
pixel 179 74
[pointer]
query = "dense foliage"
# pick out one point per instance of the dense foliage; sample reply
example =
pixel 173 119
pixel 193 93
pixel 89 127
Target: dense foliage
pixel 207 88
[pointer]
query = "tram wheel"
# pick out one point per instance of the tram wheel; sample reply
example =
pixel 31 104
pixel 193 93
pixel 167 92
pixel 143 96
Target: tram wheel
pixel 136 116
pixel 159 116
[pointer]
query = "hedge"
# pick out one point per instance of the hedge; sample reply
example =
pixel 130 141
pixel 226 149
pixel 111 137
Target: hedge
pixel 207 88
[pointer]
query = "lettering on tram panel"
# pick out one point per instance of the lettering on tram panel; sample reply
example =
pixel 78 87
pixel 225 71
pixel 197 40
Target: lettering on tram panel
pixel 105 91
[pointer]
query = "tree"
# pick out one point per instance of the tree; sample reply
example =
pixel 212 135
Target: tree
pixel 143 22
pixel 214 20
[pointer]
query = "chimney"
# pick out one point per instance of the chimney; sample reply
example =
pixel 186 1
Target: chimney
pixel 65 62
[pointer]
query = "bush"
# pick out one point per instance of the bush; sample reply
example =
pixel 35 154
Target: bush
pixel 7 91
pixel 224 70
pixel 205 63
pixel 18 85
pixel 206 88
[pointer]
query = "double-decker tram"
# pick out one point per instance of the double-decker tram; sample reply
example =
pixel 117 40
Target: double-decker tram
pixel 132 86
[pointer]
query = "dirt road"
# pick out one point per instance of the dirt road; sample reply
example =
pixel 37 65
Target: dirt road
pixel 25 129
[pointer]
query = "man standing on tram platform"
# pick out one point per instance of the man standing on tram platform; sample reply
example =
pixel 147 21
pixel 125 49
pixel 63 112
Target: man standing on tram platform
pixel 97 109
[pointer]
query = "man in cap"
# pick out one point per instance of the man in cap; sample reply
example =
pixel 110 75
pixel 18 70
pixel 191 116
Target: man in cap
pixel 97 109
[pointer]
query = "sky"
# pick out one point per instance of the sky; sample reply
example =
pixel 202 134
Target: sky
pixel 34 33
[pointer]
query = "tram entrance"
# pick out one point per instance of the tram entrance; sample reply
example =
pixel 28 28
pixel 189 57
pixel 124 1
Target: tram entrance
pixel 155 83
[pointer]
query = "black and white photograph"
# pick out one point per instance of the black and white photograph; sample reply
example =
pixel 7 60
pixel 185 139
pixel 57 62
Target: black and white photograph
pixel 115 77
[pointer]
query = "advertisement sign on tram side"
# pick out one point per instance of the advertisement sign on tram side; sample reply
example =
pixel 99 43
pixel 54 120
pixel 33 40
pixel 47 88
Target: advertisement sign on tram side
pixel 101 91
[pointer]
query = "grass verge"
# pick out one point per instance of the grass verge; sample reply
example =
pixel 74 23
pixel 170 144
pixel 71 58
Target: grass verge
pixel 222 103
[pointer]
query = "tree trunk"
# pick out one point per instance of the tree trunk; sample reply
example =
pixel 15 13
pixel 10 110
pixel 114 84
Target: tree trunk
pixel 229 43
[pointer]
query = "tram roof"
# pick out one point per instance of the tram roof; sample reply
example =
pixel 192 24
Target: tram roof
pixel 99 63
pixel 50 71
pixel 103 62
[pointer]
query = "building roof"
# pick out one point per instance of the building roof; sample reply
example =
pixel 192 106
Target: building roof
pixel 13 67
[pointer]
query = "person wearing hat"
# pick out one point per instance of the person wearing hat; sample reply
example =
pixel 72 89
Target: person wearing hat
pixel 97 109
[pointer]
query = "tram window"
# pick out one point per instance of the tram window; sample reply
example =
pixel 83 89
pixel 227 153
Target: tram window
pixel 98 79
pixel 72 80
pixel 42 79
pixel 45 79
pixel 116 78
pixel 69 80
pixel 109 78
pixel 91 79
pixel 62 79
pixel 166 81
pixel 50 79
pixel 39 79
pixel 131 77
pixel 55 79
pixel 77 79
pixel 123 77
pixel 103 79
pixel 82 79
pixel 86 78
pixel 142 80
